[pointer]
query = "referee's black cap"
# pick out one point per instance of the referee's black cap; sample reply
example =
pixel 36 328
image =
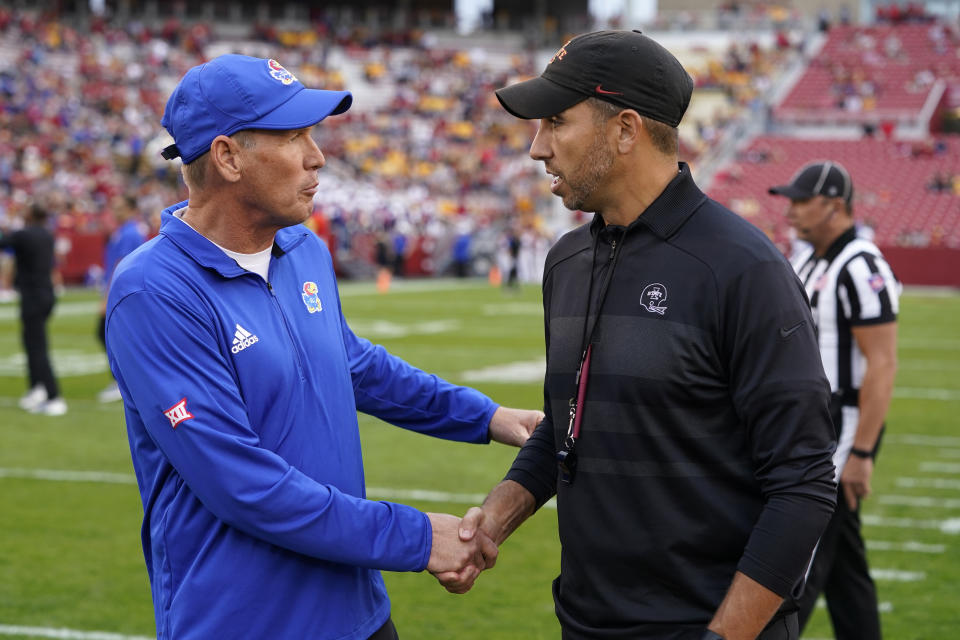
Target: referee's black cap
pixel 822 178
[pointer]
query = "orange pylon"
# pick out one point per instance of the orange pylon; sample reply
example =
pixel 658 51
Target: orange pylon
pixel 383 280
pixel 494 276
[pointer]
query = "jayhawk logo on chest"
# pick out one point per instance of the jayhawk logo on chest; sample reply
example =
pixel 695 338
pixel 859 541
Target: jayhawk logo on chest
pixel 310 297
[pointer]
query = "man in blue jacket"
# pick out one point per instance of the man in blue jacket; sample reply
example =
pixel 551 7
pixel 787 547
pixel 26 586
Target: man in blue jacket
pixel 128 235
pixel 241 382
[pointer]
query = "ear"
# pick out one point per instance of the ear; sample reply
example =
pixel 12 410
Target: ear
pixel 630 129
pixel 225 158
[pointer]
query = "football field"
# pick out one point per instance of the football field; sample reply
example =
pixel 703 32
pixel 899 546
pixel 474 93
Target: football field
pixel 71 565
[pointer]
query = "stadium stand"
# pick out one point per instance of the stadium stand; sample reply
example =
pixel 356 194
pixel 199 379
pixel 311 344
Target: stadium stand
pixel 879 72
pixel 876 99
pixel 893 178
pixel 427 155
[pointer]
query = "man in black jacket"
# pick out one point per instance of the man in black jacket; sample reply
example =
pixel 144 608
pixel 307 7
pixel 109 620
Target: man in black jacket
pixel 33 252
pixel 687 433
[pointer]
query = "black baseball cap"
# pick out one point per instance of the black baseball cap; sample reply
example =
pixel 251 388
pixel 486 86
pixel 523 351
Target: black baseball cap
pixel 822 178
pixel 623 67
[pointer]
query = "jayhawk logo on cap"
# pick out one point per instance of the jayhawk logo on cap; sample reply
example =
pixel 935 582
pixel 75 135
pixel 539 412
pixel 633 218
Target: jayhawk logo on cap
pixel 310 298
pixel 279 73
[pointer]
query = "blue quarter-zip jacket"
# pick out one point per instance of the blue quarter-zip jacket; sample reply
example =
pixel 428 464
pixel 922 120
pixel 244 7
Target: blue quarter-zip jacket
pixel 240 400
pixel 122 241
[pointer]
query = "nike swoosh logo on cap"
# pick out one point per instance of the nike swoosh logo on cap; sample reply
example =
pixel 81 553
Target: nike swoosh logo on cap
pixel 603 91
pixel 787 332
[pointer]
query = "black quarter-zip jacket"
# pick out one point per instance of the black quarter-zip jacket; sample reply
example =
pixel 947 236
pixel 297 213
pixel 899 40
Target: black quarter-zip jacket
pixel 705 445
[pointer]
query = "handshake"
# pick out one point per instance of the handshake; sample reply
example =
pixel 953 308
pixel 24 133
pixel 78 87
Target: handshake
pixel 461 549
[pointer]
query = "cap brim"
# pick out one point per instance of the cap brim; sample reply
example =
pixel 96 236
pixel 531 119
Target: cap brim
pixel 305 108
pixel 789 191
pixel 537 98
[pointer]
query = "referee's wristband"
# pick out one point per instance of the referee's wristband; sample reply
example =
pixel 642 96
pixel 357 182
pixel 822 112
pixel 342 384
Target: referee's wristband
pixel 712 635
pixel 861 453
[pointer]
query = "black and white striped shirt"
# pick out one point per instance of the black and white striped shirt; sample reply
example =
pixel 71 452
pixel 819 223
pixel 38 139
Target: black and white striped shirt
pixel 850 285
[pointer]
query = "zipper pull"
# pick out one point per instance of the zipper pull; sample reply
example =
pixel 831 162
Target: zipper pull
pixel 613 248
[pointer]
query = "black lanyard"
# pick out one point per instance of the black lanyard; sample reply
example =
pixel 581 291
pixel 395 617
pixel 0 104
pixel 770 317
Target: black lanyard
pixel 566 456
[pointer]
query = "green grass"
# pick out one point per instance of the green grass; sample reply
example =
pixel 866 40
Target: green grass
pixel 70 550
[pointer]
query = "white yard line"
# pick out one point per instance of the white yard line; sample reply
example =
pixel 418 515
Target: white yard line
pixel 929 483
pixel 940 467
pixel 89 308
pixel 514 372
pixel 936 345
pixel 59 475
pixel 950 525
pixel 923 440
pixel 373 493
pixel 926 394
pixel 513 309
pixel 895 575
pixel 425 495
pixel 920 501
pixel 65 634
pixel 910 546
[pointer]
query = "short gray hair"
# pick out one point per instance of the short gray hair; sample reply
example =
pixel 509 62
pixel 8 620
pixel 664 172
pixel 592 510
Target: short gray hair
pixel 195 173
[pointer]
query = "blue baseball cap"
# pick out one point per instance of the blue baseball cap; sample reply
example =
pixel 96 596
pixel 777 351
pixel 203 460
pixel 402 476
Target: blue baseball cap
pixel 234 92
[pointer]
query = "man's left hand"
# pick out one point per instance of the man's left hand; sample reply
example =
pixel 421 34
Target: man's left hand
pixel 514 426
pixel 855 480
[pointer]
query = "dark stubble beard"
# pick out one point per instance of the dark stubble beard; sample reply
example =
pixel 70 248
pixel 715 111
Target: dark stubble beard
pixel 584 180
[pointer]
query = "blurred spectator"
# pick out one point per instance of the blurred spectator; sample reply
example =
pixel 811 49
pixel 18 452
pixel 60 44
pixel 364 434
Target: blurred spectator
pixel 461 252
pixel 823 20
pixel 129 234
pixel 513 258
pixel 33 251
pixel 941 182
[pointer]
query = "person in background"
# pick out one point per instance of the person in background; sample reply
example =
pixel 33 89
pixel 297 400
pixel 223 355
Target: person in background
pixel 33 257
pixel 462 255
pixel 241 382
pixel 129 234
pixel 687 435
pixel 854 298
pixel 7 290
pixel 513 257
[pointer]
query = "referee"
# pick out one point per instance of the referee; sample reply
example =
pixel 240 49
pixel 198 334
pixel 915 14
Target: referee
pixel 854 299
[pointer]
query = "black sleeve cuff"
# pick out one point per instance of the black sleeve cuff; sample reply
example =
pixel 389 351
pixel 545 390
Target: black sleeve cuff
pixel 535 467
pixel 783 541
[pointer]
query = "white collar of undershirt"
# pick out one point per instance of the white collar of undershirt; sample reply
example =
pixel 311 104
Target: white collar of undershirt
pixel 258 263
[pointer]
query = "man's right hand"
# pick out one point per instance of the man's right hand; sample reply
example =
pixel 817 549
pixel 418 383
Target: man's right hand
pixel 456 562
pixel 487 527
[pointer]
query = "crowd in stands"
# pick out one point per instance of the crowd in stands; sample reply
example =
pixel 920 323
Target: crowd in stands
pixel 78 119
pixel 438 158
pixel 907 193
pixel 80 112
pixel 79 125
pixel 885 69
pixel 899 13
